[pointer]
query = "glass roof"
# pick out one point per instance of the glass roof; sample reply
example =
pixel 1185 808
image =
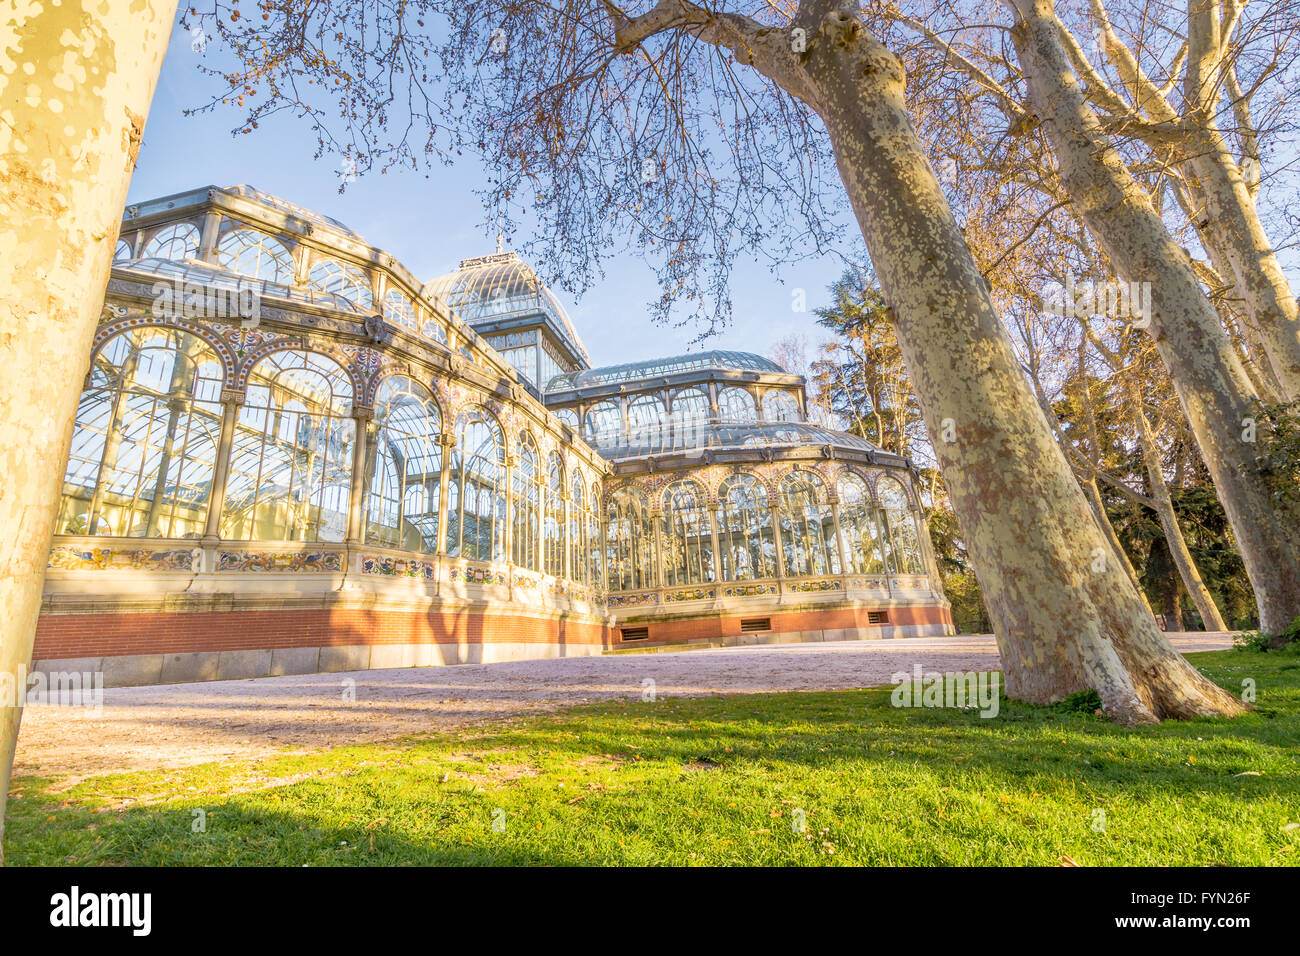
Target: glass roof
pixel 658 368
pixel 293 209
pixel 679 438
pixel 498 286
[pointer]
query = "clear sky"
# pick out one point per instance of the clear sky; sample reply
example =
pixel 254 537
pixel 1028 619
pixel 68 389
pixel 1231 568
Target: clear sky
pixel 431 222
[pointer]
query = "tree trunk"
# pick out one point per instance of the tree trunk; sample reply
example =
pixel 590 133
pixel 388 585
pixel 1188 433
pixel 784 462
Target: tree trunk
pixel 1207 374
pixel 1177 544
pixel 75 88
pixel 1066 618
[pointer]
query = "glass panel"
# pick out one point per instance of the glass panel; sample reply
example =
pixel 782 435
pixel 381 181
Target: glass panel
pixel 145 438
pixel 780 407
pixel 291 463
pixel 630 541
pixel 736 405
pixel 476 494
pixel 404 468
pixel 745 538
pixel 180 241
pixel 398 309
pixel 604 423
pixel 526 531
pixel 807 527
pixel 577 528
pixel 901 520
pixel 252 253
pixel 862 541
pixel 687 535
pixel 554 529
pixel 341 279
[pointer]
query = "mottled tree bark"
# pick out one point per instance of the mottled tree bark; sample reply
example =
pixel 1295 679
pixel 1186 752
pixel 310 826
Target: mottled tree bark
pixel 1208 375
pixel 75 84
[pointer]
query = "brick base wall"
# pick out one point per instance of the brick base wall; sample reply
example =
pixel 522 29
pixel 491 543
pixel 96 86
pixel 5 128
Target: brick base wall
pixel 852 619
pixel 119 634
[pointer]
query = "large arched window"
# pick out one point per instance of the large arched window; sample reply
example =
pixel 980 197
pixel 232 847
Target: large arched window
pixel 577 527
pixel 122 252
pixel 398 309
pixel 553 532
pixel 595 552
pixel 525 534
pixel 343 280
pixel 630 541
pixel 745 539
pixel 736 405
pixel 780 407
pixel 252 253
pixel 291 463
pixel 179 241
pixel 145 439
pixel 404 468
pixel 862 543
pixel 807 527
pixel 476 488
pixel 604 423
pixel 901 520
pixel 687 535
pixel 568 416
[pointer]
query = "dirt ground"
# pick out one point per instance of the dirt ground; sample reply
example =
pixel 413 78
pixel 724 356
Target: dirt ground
pixel 177 725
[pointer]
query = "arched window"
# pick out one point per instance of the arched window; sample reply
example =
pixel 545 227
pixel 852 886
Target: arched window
pixel 553 533
pixel 604 423
pixel 901 520
pixel 807 527
pixel 291 463
pixel 252 253
pixel 341 279
pixel 862 541
pixel 577 527
pixel 687 535
pixel 646 418
pixel 122 252
pixel 595 552
pixel 433 330
pixel 745 540
pixel 736 405
pixel 145 438
pixel 630 541
pixel 780 407
pixel 180 241
pixel 526 532
pixel 691 405
pixel 398 309
pixel 404 469
pixel 568 416
pixel 476 488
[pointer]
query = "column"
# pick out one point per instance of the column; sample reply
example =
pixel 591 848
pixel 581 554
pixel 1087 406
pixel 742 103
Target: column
pixel 775 511
pixel 448 442
pixel 509 536
pixel 839 538
pixel 362 418
pixel 208 236
pixel 231 399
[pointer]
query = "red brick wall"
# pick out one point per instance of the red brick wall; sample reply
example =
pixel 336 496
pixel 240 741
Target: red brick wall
pixel 110 635
pixel 812 620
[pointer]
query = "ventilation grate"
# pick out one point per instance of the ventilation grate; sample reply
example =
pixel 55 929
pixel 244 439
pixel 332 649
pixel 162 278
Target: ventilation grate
pixel 750 624
pixel 877 617
pixel 635 633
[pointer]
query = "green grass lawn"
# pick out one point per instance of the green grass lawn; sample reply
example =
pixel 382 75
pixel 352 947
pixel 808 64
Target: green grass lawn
pixel 726 781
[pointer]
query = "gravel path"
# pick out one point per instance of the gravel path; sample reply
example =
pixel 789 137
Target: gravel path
pixel 178 725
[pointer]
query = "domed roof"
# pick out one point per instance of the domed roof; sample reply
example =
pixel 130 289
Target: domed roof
pixel 496 286
pixel 715 359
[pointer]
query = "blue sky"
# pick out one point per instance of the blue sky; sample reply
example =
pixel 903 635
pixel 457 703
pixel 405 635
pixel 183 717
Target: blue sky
pixel 431 223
